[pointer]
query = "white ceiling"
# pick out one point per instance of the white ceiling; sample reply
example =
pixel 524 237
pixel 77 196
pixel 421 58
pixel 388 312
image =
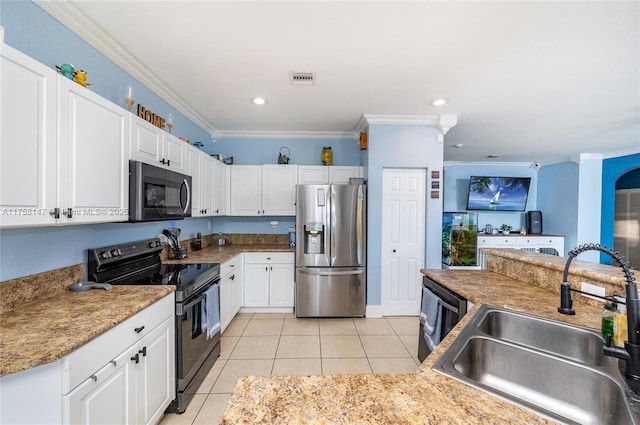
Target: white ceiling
pixel 529 81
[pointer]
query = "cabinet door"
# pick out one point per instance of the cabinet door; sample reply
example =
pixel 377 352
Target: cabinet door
pixel 194 166
pixel 27 140
pixel 236 292
pixel 106 397
pixel 246 190
pixel 174 152
pixel 93 173
pixel 256 285
pixel 207 186
pixel 281 288
pixel 341 174
pixel 155 374
pixel 146 141
pixel 313 174
pixel 225 302
pixel 221 188
pixel 279 189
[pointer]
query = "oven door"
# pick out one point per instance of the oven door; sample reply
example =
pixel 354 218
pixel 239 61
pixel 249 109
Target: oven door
pixel 158 194
pixel 192 345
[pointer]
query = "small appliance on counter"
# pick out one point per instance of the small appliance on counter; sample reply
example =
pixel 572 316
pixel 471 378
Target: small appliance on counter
pixel 222 239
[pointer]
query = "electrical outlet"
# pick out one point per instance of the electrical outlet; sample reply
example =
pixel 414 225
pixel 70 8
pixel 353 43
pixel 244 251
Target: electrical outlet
pixel 274 224
pixel 209 225
pixel 592 289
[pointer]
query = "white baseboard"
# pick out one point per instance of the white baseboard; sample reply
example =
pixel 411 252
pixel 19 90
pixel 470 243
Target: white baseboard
pixel 373 311
pixel 266 310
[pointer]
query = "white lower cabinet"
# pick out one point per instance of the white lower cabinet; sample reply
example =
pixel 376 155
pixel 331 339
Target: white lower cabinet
pixel 133 388
pixel 230 290
pixel 124 376
pixel 269 279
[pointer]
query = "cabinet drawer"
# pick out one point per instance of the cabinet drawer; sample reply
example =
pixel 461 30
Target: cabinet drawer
pixel 269 257
pixel 228 266
pixel 550 240
pixel 527 241
pixel 86 360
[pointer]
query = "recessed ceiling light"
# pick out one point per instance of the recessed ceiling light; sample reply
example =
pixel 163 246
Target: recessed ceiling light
pixel 258 101
pixel 438 102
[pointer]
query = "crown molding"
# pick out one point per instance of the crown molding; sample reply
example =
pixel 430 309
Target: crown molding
pixel 71 17
pixel 304 135
pixel 443 122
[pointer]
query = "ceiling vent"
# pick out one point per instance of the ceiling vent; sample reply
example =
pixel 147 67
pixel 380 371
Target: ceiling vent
pixel 302 78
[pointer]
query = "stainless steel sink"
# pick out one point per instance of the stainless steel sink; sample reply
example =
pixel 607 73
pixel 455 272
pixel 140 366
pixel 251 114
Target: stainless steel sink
pixel 576 343
pixel 522 359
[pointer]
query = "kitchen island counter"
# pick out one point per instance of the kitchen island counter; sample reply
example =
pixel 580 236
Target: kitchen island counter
pixel 425 397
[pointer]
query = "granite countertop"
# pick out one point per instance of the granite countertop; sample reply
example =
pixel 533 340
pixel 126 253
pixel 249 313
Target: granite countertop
pixel 220 254
pixel 47 329
pixel 425 397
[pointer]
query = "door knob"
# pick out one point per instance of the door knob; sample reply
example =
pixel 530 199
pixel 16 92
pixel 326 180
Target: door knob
pixel 394 250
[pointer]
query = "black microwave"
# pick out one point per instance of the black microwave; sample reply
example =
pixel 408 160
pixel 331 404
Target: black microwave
pixel 157 194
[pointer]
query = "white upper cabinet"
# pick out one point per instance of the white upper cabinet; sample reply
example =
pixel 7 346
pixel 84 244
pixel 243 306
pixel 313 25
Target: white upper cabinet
pixel 246 190
pixel 341 174
pixel 152 145
pixel 263 189
pixel 194 169
pixel 27 140
pixel 93 174
pixel 323 174
pixel 279 189
pixel 222 175
pixel 63 149
pixel 313 174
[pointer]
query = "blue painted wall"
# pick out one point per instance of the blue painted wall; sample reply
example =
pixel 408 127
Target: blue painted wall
pixel 456 187
pixel 393 146
pixel 612 170
pixel 558 201
pixel 303 151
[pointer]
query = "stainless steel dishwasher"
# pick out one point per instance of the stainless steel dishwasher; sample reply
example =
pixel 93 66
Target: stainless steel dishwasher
pixel 454 307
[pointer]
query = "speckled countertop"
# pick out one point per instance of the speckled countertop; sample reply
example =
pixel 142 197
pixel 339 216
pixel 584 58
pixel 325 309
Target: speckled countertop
pixel 42 321
pixel 220 254
pixel 425 397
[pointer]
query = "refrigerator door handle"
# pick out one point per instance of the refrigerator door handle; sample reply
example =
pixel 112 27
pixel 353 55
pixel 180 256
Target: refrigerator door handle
pixel 323 273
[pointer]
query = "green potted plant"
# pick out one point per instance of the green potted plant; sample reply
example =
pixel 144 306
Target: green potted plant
pixel 505 229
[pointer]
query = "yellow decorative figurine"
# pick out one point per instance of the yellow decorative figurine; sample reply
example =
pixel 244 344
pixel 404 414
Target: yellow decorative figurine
pixel 81 78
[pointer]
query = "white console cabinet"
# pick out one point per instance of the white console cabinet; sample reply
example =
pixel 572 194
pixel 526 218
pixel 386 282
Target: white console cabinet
pixel 124 376
pixel 544 244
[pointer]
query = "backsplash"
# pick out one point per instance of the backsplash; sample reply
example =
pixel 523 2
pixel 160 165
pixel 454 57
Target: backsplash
pixel 17 292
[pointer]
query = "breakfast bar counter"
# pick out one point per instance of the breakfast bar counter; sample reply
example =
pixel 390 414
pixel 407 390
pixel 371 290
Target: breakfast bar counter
pixel 425 397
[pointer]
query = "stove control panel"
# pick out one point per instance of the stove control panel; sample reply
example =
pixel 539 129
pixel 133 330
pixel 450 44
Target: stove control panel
pixel 131 250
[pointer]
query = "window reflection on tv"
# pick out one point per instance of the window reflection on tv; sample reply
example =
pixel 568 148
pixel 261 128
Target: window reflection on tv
pixel 498 193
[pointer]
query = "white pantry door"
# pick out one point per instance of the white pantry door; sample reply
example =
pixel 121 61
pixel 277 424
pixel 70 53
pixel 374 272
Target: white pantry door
pixel 403 239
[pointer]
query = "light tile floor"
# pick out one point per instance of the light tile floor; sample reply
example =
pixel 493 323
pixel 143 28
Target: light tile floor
pixel 280 344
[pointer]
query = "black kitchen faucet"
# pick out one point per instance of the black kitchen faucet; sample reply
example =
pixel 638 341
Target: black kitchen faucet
pixel 631 351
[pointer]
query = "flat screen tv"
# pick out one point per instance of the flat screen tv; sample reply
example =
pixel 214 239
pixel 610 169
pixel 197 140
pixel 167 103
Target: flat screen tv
pixel 498 193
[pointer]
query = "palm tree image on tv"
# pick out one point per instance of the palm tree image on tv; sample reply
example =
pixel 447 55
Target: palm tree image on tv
pixel 498 193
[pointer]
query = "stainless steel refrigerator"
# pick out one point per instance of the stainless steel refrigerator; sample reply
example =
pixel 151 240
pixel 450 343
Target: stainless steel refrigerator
pixel 331 250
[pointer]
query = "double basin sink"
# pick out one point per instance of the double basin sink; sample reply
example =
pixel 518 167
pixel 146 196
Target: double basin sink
pixel 557 370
